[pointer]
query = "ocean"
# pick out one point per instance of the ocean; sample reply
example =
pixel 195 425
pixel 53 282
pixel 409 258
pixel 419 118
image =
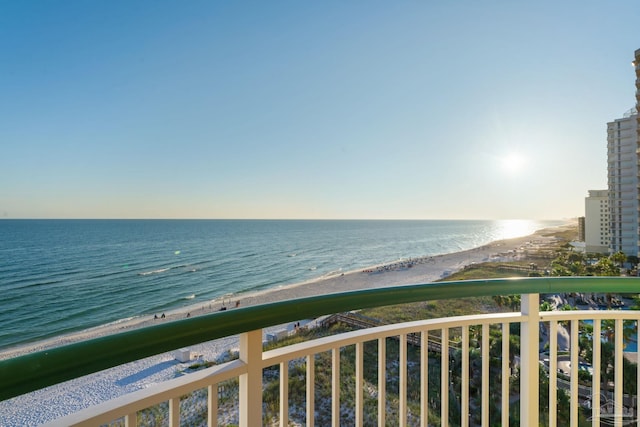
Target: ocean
pixel 62 276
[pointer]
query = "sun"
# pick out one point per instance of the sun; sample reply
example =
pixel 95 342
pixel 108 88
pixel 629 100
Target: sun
pixel 513 163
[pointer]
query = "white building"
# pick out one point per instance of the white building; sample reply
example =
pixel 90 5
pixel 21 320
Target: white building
pixel 622 174
pixel 596 222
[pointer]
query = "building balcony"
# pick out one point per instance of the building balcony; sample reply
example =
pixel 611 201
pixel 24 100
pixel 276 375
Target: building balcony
pixel 464 370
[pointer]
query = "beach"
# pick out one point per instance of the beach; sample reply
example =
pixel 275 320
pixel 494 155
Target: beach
pixel 56 401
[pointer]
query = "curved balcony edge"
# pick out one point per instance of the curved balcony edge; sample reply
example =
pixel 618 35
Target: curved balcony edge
pixel 34 371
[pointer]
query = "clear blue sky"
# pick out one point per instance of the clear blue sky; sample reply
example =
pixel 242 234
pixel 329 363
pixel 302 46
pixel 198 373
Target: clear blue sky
pixel 303 109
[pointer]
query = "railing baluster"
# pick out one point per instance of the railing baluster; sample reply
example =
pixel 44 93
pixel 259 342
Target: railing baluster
pixel 335 387
pixel 575 365
pixel 359 384
pixel 212 405
pixel 485 374
pixel 464 352
pixel 382 380
pixel 553 373
pixel 284 393
pixel 595 381
pixel 529 355
pixel 250 383
pixel 505 375
pixel 174 412
pixel 444 378
pixel 402 412
pixel 131 420
pixel 424 378
pixel 619 354
pixel 311 382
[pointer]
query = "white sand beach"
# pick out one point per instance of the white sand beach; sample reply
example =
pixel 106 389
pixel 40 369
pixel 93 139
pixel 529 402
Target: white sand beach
pixel 56 401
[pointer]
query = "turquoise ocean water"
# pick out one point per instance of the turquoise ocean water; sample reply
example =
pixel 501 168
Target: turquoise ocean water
pixel 61 276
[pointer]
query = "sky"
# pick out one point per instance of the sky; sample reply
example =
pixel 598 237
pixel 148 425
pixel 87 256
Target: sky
pixel 310 109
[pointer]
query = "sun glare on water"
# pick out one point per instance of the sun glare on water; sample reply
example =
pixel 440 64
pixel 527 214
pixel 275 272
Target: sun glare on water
pixel 510 228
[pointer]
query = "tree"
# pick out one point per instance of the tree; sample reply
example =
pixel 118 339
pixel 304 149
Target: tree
pixel 606 368
pixel 586 341
pixel 560 270
pixel 577 268
pixel 619 258
pixel 576 257
pixel 630 377
pixel 546 306
pixel 604 267
pixel 609 332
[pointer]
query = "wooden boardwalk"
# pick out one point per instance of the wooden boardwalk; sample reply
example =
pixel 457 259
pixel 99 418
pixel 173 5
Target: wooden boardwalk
pixel 359 321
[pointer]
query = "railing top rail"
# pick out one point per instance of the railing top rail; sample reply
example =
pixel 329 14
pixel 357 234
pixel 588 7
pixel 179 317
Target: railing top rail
pixel 37 370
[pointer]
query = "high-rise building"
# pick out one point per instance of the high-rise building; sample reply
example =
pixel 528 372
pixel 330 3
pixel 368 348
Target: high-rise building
pixel 596 222
pixel 581 230
pixel 636 65
pixel 623 176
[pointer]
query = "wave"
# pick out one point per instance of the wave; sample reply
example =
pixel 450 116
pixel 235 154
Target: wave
pixel 192 296
pixel 189 267
pixel 104 275
pixel 147 273
pixel 30 284
pixel 249 255
pixel 333 273
pixel 115 322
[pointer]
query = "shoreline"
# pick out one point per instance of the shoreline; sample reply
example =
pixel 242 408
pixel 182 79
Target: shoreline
pixel 50 403
pixel 423 269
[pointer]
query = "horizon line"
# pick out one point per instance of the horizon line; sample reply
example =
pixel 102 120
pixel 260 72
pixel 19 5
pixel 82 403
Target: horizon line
pixel 279 219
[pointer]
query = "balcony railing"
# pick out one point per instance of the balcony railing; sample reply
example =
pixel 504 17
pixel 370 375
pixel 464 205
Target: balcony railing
pixel 450 358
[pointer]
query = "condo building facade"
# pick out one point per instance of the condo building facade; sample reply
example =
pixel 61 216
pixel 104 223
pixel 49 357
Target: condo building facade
pixel 623 157
pixel 636 65
pixel 597 222
pixel 623 184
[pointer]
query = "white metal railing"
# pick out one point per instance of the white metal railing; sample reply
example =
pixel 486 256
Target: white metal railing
pixel 249 370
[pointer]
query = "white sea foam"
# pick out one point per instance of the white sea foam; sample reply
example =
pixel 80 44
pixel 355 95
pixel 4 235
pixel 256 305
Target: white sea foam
pixel 147 273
